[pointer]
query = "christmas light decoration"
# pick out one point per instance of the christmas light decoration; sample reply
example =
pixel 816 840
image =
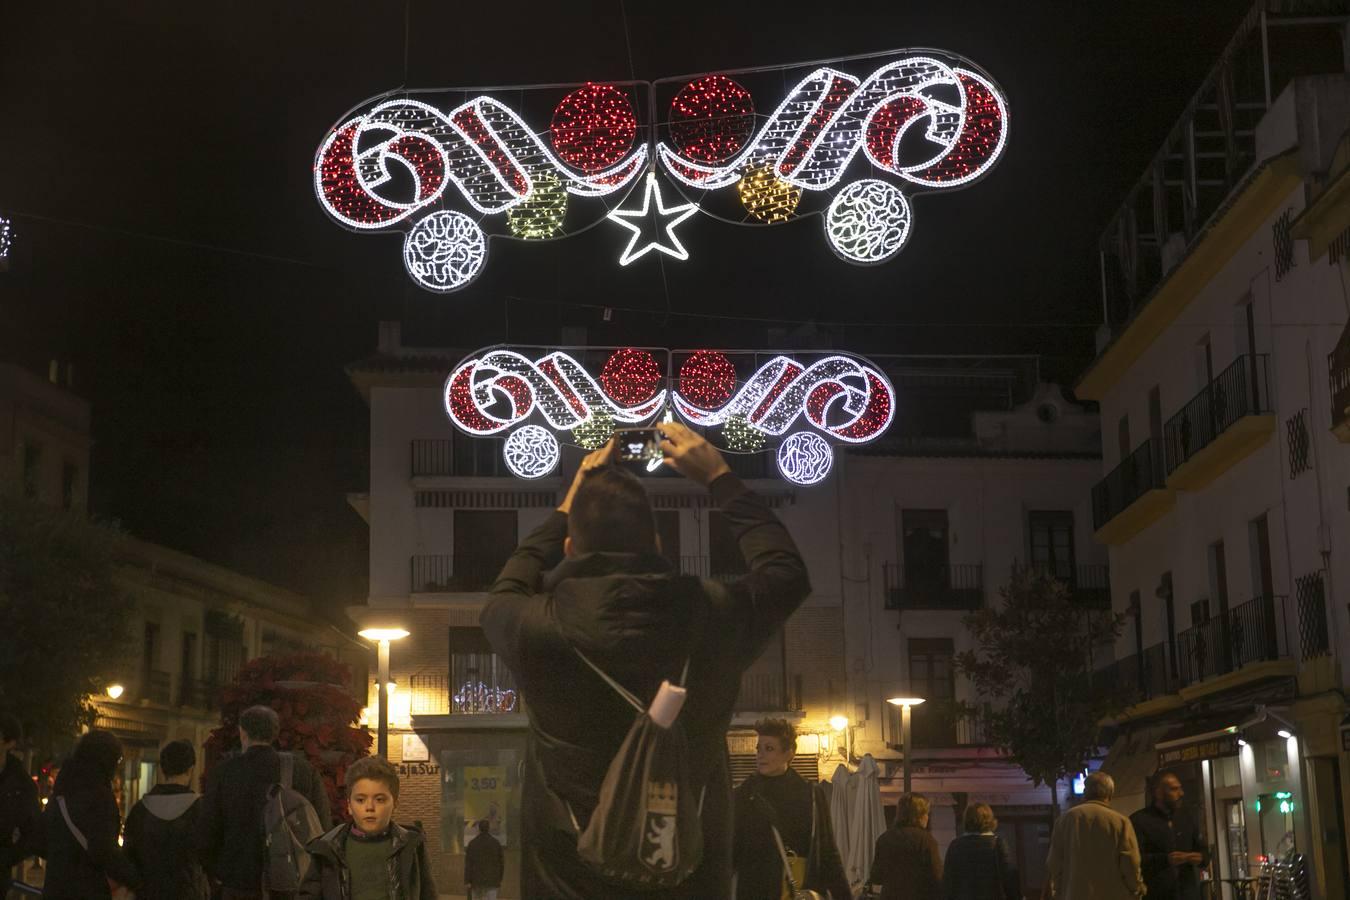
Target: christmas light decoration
pixel 711 118
pixel 594 127
pixel 639 220
pixel 444 251
pixel 6 237
pixel 766 196
pixel 531 452
pixel 707 378
pixel 631 376
pixel 868 222
pixel 595 432
pixel 540 215
pixel 478 697
pixel 738 434
pixel 805 458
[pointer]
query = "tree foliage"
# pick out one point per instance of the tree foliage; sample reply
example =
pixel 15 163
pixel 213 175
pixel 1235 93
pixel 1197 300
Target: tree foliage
pixel 63 617
pixel 1032 668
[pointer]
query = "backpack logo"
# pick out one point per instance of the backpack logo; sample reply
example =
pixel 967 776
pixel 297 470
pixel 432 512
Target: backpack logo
pixel 659 850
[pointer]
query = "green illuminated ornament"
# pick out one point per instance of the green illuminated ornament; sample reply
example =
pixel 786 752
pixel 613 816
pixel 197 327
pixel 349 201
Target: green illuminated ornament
pixel 740 435
pixel 595 432
pixel 540 215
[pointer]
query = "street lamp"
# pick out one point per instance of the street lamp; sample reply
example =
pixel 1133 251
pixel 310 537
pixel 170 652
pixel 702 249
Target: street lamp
pixel 115 691
pixel 905 704
pixel 382 637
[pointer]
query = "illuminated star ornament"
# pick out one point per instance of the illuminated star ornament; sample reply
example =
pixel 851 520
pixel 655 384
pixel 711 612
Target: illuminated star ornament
pixel 659 222
pixel 851 141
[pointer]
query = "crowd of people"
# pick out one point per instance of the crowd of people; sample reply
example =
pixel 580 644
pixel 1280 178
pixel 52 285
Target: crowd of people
pixel 585 604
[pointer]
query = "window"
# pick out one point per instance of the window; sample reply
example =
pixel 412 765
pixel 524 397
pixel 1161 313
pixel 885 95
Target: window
pixel 32 465
pixel 1155 434
pixel 1137 613
pixel 1052 543
pixel 932 677
pixel 1263 574
pixel 668 533
pixel 480 683
pixel 151 646
pixel 1123 437
pixel 724 551
pixel 1218 576
pixel 924 548
pixel 188 666
pixel 225 650
pixel 484 539
pixel 476 458
pixel 70 479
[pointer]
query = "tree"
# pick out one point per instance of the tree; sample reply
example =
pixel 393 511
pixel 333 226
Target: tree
pixel 1032 667
pixel 63 618
pixel 318 715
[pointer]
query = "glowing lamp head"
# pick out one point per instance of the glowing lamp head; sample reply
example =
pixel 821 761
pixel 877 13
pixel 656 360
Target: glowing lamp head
pixel 1285 733
pixel 390 688
pixel 904 701
pixel 115 691
pixel 838 723
pixel 383 634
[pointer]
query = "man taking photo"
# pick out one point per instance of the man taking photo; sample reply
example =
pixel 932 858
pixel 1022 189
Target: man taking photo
pixel 591 578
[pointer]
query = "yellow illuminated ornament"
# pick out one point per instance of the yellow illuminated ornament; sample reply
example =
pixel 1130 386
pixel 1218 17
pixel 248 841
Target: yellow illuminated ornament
pixel 740 435
pixel 540 215
pixel 595 432
pixel 767 197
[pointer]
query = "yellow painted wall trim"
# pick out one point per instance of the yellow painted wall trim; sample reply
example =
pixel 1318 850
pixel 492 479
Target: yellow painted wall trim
pixel 1248 674
pixel 1237 442
pixel 1329 214
pixel 1140 514
pixel 1249 210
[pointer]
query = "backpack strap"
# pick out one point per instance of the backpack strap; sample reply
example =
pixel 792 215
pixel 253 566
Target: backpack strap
pixel 287 769
pixel 619 689
pixel 75 832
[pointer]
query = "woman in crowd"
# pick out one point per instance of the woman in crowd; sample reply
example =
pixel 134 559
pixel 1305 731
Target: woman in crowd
pixel 777 797
pixel 978 864
pixel 84 860
pixel 907 863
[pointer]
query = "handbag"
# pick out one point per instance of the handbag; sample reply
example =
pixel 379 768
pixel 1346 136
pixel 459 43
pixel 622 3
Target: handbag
pixel 794 892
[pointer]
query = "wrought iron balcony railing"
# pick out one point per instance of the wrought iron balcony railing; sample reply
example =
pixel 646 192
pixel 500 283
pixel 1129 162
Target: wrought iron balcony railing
pixel 1137 474
pixel 926 586
pixel 1243 389
pixel 448 573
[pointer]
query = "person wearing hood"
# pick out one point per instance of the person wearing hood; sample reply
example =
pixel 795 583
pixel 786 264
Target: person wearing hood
pixel 613 597
pixel 20 811
pixel 84 861
pixel 161 831
pixel 373 858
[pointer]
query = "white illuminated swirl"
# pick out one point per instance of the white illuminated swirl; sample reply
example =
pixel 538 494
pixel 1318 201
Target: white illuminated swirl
pixel 868 221
pixel 445 251
pixel 805 458
pixel 531 452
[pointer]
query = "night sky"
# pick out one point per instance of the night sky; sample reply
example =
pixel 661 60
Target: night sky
pixel 156 160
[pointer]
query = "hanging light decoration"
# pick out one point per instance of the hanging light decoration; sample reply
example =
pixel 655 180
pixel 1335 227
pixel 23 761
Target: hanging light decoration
pixel 739 434
pixel 767 197
pixel 707 378
pixel 540 215
pixel 711 118
pixel 596 431
pixel 594 127
pixel 630 376
pixel 6 237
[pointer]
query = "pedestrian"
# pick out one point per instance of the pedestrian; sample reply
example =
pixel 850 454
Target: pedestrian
pixel 1171 850
pixel 373 858
pixel 82 824
pixel 612 596
pixel 20 811
pixel 483 864
pixel 230 824
pixel 1093 851
pixel 979 865
pixel 907 862
pixel 777 797
pixel 161 831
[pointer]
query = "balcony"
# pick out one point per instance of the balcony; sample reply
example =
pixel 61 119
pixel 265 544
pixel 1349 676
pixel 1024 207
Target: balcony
pixel 1338 369
pixel 936 726
pixel 1131 498
pixel 1247 634
pixel 155 686
pixel 197 693
pixel 925 586
pixel 767 692
pixel 1221 425
pixel 1089 585
pixel 432 458
pixel 1140 676
pixel 447 573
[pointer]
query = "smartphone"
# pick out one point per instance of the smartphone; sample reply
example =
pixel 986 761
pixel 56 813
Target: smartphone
pixel 639 444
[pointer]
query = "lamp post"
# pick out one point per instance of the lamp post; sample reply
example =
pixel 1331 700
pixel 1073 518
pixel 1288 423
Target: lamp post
pixel 906 704
pixel 382 637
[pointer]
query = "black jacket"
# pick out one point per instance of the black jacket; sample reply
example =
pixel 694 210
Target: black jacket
pixel 161 841
pixel 907 864
pixel 74 872
pixel 20 814
pixel 639 621
pixel 980 867
pixel 484 864
pixel 1160 834
pixel 802 816
pixel 409 870
pixel 229 827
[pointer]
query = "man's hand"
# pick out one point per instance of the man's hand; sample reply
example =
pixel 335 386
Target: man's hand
pixel 1181 858
pixel 594 460
pixel 690 455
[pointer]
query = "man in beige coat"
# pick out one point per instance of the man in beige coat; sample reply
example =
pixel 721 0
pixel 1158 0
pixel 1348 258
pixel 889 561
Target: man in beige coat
pixel 1093 853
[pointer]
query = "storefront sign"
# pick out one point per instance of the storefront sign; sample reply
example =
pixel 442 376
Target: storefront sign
pixel 415 749
pixel 1206 748
pixel 407 769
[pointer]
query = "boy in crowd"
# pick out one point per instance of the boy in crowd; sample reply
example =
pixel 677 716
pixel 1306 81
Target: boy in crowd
pixel 160 833
pixel 359 861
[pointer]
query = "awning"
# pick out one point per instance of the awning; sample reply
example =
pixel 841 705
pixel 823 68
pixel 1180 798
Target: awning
pixel 1202 738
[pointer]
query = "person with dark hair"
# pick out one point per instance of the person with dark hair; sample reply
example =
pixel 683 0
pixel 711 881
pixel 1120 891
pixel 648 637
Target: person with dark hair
pixel 484 865
pixel 590 580
pixel 20 811
pixel 373 857
pixel 161 831
pixel 979 865
pixel 84 860
pixel 907 862
pixel 777 797
pixel 230 824
pixel 1171 850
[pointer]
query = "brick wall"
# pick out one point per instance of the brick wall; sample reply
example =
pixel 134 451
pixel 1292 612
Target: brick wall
pixel 815 653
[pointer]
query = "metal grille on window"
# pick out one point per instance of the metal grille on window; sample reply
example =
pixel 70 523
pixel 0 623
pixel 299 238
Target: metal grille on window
pixel 1313 638
pixel 1284 244
pixel 1300 457
pixel 1339 247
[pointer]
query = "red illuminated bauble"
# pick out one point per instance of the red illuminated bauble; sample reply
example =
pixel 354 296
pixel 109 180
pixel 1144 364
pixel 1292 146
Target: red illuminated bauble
pixel 707 379
pixel 594 127
pixel 631 377
pixel 711 119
